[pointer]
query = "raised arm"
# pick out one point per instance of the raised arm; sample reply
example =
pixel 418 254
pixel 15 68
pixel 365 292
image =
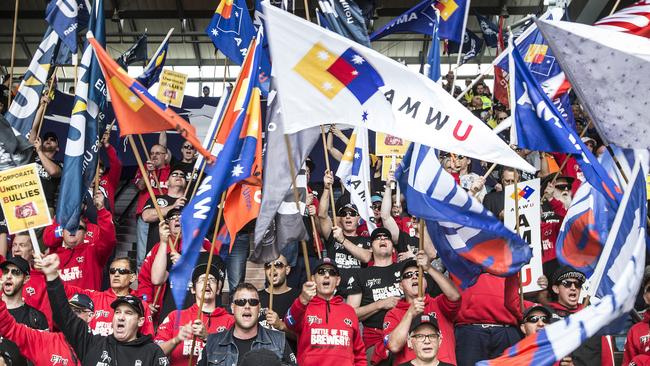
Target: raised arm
pixel 324 204
pixel 334 152
pixel 159 267
pixel 387 219
pixel 364 255
pixel 446 286
pixel 52 168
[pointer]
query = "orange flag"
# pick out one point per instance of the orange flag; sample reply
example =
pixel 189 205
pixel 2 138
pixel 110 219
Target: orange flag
pixel 136 110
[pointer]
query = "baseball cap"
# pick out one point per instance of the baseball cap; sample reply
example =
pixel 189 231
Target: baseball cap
pixel 586 139
pixel 424 319
pixel 172 212
pixel 375 198
pixel 82 301
pixel 378 231
pixel 50 134
pixel 19 262
pixel 347 206
pixel 408 264
pixel 130 300
pixel 216 269
pixel 538 307
pixel 325 262
pixel 566 272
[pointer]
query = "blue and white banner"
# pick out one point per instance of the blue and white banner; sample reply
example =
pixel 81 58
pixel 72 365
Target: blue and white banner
pixel 345 18
pixel 62 17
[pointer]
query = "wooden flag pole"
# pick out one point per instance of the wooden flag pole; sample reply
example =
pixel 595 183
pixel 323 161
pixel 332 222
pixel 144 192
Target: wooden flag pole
pixel 13 55
pixel 271 290
pixel 145 178
pixel 306 2
pixel 39 121
pixel 146 154
pixel 207 269
pixel 327 166
pixel 420 248
pixel 489 171
pixel 314 234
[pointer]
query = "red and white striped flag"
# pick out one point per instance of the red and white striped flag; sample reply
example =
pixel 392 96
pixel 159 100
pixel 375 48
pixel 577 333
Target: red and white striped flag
pixel 634 19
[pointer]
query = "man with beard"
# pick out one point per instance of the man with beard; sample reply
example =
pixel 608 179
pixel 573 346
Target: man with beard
pixel 184 328
pixel 121 276
pixel 125 346
pixel 375 290
pixel 327 328
pixel 276 272
pixel 344 246
pixel 48 169
pixel 229 347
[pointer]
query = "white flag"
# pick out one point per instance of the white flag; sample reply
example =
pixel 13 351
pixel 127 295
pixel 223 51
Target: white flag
pixel 354 172
pixel 325 78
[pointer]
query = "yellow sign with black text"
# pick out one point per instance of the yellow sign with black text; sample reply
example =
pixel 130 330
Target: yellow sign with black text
pixel 386 145
pixel 22 199
pixel 171 89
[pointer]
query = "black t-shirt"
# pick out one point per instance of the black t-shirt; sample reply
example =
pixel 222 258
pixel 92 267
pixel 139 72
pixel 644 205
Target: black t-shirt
pixel 243 346
pixel 153 235
pixel 374 284
pixel 29 316
pixel 407 243
pixel 493 201
pixel 281 304
pixel 347 263
pixel 50 183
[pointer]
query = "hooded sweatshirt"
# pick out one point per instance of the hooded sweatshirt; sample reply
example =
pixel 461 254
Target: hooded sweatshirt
pixel 328 333
pixel 217 321
pixel 97 350
pixel 638 339
pixel 40 347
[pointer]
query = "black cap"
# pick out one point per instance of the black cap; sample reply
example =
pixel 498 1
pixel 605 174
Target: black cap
pixel 325 262
pixel 378 231
pixel 216 269
pixel 566 272
pixel 49 134
pixel 19 262
pixel 347 206
pixel 82 301
pixel 178 167
pixel 407 264
pixel 549 178
pixel 172 212
pixel 424 319
pixel 538 307
pixel 130 300
pixel 310 164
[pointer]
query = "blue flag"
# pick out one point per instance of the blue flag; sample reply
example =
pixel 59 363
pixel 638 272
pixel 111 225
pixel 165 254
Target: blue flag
pixel 88 113
pixel 62 17
pixel 433 58
pixel 468 237
pixel 538 125
pixel 232 165
pixel 345 18
pixel 490 31
pixel 322 21
pixel 153 69
pixel 421 18
pixel 472 46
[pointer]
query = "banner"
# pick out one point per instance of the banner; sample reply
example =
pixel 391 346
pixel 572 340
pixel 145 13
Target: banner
pixel 22 199
pixel 529 227
pixel 388 145
pixel 388 163
pixel 172 88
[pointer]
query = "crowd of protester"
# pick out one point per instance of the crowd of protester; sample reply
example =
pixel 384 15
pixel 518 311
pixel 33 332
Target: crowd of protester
pixel 369 297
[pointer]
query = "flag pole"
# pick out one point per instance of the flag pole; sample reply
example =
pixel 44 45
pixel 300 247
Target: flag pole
pixel 421 229
pixel 271 289
pixel 145 177
pixel 207 269
pixel 315 234
pixel 327 166
pixel 39 123
pixel 475 81
pixel 460 46
pixel 306 2
pixel 13 54
pixel 489 171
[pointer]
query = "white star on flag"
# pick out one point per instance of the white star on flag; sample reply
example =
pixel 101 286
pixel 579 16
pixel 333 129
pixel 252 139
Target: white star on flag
pixel 356 156
pixel 323 55
pixel 326 85
pixel 355 72
pixel 133 99
pixel 237 170
pixel 214 32
pixel 358 60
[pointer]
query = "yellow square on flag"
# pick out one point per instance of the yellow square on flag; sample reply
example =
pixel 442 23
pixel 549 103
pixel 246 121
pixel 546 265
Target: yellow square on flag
pixel 447 9
pixel 348 155
pixel 127 95
pixel 536 53
pixel 313 68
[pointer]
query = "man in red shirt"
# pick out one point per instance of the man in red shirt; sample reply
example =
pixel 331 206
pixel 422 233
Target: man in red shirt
pixel 110 178
pixel 83 254
pixel 443 308
pixel 327 328
pixel 180 327
pixel 638 337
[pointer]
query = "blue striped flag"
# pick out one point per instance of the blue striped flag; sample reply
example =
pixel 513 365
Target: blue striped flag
pixel 152 71
pixel 62 15
pixel 469 238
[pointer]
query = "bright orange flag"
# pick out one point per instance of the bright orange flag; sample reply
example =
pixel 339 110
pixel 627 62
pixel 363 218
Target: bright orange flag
pixel 136 110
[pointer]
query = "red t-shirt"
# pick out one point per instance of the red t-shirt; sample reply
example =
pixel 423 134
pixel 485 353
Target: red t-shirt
pixel 143 196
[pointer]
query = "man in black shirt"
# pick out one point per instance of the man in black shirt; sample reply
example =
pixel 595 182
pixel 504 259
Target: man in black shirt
pixel 374 290
pixel 283 296
pixel 48 170
pixel 424 339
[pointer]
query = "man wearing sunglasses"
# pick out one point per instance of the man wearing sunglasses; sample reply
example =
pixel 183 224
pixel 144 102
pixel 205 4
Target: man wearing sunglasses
pixel 49 170
pixel 179 329
pixel 535 318
pixel 566 286
pixel 424 339
pixel 276 272
pixel 443 308
pixel 327 327
pixel 230 346
pixel 122 273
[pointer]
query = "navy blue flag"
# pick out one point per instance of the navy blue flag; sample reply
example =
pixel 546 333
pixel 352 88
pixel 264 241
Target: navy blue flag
pixel 152 71
pixel 468 237
pixel 345 18
pixel 322 21
pixel 472 46
pixel 62 16
pixel 490 31
pixel 538 125
pixel 88 113
pixel 137 52
pixel 433 58
pixel 421 18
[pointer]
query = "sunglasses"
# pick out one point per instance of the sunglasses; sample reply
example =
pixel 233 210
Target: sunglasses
pixel 562 187
pixel 377 206
pixel 422 337
pixel 175 217
pixel 78 310
pixel 122 271
pixel 242 302
pixel 349 213
pixel 409 275
pixel 83 227
pixel 569 284
pixel 277 264
pixel 381 237
pixel 177 174
pixel 14 272
pixel 328 271
pixel 189 147
pixel 536 318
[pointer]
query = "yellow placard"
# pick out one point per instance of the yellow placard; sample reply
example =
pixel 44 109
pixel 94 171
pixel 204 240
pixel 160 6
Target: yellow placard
pixel 172 87
pixel 387 164
pixel 22 199
pixel 386 145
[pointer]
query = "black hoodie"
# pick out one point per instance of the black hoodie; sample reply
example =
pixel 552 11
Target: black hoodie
pixel 96 350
